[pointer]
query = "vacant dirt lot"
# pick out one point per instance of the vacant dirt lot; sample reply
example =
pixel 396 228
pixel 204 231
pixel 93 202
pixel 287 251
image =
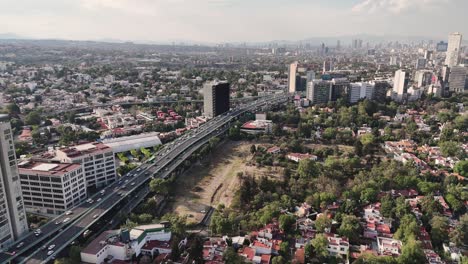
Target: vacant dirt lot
pixel 214 181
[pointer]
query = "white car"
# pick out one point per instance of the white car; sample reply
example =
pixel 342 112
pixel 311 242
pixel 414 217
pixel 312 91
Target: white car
pixel 50 252
pixel 89 200
pixel 68 212
pixel 95 216
pixel 103 191
pixel 20 245
pixel 132 184
pixel 99 199
pixel 51 247
pixel 66 219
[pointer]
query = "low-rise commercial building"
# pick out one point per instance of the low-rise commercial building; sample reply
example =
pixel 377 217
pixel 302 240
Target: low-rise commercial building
pixel 97 159
pixel 51 188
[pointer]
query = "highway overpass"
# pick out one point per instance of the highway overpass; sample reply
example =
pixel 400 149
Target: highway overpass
pixel 61 233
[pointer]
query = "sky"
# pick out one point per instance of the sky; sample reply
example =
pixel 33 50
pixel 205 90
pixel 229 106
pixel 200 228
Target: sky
pixel 218 21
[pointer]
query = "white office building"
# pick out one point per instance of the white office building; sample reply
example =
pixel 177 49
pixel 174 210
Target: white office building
pixel 13 222
pixel 97 159
pixel 453 50
pixel 51 188
pixel 361 90
pixel 399 85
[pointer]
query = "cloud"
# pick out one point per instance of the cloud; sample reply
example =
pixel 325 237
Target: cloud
pixel 394 6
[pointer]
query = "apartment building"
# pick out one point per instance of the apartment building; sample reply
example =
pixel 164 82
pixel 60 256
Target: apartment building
pixel 51 188
pixel 97 159
pixel 13 221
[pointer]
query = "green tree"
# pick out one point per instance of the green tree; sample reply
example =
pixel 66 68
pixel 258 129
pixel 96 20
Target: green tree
pixel 439 230
pixel 408 229
pixel 320 245
pixel 159 186
pixel 253 149
pixel 459 236
pixel 367 139
pixel 322 222
pixel 231 256
pixel 307 169
pixel 412 253
pixel 13 109
pixel 462 168
pixel 369 195
pixel 450 148
pixel 350 227
pixel 278 260
pixel 33 118
pixel 286 222
pixel 387 206
pixel 196 250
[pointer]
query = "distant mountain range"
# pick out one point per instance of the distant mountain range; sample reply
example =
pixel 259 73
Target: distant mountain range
pixel 314 41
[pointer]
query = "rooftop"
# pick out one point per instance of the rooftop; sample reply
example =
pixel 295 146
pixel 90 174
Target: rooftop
pixel 46 168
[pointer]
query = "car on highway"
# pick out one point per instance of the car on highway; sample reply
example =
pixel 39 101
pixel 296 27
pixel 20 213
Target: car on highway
pixel 37 232
pixel 69 212
pixel 95 216
pixel 51 247
pixel 20 245
pixel 66 219
pixel 139 169
pixel 133 183
pixel 44 247
pixel 89 200
pixel 99 199
pixel 102 191
pixel 50 252
pixel 57 222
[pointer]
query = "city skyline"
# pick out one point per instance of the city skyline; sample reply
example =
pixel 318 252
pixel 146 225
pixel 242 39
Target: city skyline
pixel 212 21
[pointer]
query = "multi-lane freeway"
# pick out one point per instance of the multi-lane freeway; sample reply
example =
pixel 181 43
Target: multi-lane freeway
pixel 63 230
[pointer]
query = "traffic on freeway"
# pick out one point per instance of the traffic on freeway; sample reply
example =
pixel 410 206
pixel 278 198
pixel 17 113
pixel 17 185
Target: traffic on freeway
pixel 166 160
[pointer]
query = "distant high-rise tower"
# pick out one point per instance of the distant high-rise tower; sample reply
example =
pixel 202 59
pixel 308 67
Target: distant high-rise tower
pixel 292 77
pixel 453 49
pixel 13 222
pixel 215 98
pixel 338 44
pixel 327 65
pixel 399 85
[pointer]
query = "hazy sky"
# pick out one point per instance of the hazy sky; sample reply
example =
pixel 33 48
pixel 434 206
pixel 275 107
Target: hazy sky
pixel 230 20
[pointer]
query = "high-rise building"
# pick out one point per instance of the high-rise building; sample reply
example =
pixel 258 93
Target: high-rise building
pixel 13 222
pixel 423 78
pixel 361 90
pixel 441 46
pixel 51 188
pixel 292 77
pixel 318 91
pixel 420 63
pixel 339 89
pixel 380 90
pixel 457 78
pixel 97 159
pixel 338 44
pixel 428 55
pixel 216 98
pixel 327 65
pixel 399 85
pixel 310 76
pixel 453 49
